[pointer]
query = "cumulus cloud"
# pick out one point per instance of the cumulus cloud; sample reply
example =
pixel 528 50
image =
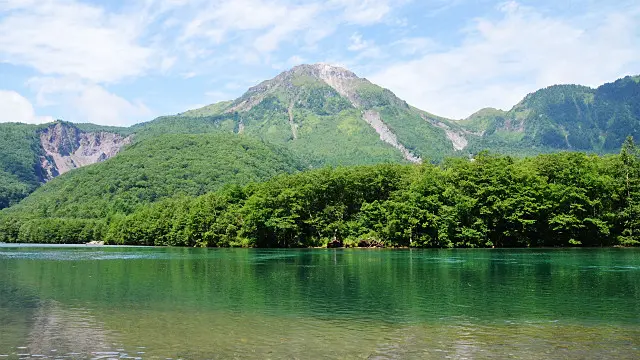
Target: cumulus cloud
pixel 363 48
pixel 80 48
pixel 88 102
pixel 97 105
pixel 500 61
pixel 72 39
pixel 16 108
pixel 264 25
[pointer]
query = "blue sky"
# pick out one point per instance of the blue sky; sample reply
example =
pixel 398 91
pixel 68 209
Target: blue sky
pixel 122 62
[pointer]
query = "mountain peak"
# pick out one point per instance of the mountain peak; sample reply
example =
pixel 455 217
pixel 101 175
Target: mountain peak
pixel 343 81
pixel 322 71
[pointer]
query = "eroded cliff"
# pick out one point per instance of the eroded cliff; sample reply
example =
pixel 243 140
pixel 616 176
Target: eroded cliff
pixel 66 147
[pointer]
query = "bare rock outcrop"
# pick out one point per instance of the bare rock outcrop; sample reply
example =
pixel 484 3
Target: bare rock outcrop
pixel 66 147
pixel 456 136
pixel 386 135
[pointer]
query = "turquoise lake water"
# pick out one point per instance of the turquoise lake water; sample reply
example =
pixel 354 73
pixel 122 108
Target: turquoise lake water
pixel 119 302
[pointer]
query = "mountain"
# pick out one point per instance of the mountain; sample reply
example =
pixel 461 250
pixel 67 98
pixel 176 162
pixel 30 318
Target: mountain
pixel 153 169
pixel 563 117
pixel 35 154
pixel 326 114
pixel 330 116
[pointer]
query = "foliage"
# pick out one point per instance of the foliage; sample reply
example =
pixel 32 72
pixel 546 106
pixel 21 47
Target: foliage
pixel 301 113
pixel 157 168
pixel 19 152
pixel 564 199
pixel 568 117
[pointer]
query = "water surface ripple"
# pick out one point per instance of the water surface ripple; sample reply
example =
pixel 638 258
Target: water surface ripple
pixel 132 302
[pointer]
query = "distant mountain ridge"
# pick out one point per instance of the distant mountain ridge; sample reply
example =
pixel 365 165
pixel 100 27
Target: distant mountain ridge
pixel 327 115
pixel 565 117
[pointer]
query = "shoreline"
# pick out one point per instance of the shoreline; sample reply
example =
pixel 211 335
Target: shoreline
pixel 103 245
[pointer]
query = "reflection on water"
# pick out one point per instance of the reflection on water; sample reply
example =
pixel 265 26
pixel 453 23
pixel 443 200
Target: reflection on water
pixel 84 302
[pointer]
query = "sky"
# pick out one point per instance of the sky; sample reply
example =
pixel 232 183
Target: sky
pixel 121 62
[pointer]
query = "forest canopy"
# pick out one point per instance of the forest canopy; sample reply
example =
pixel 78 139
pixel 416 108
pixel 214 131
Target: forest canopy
pixel 563 199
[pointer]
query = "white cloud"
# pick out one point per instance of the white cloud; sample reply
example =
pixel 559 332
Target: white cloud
pixel 88 102
pixel 16 108
pixel 258 24
pixel 357 43
pixel 364 48
pixel 297 19
pixel 99 106
pixel 415 45
pixel 69 38
pixel 80 48
pixel 500 61
pixel 365 12
pixel 295 60
pixel 264 25
pixel 217 96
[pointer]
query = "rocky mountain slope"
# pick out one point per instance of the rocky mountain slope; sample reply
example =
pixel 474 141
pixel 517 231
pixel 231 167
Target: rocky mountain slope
pixel 35 154
pixel 330 116
pixel 66 147
pixel 156 168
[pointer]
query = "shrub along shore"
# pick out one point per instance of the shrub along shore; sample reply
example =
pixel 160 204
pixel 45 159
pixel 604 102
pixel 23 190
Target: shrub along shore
pixel 555 200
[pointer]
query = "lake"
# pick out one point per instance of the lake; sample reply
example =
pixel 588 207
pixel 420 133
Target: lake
pixel 132 302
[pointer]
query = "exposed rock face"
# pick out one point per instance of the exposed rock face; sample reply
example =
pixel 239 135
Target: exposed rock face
pixel 343 81
pixel 456 136
pixel 386 135
pixel 294 126
pixel 66 148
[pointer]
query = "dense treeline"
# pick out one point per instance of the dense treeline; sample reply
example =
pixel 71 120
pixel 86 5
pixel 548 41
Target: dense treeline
pixel 566 199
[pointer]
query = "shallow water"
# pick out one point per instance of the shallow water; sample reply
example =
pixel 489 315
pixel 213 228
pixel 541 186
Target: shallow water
pixel 115 302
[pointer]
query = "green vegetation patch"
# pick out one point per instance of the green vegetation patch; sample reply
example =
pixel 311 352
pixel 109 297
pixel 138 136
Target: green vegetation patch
pixel 165 166
pixel 562 199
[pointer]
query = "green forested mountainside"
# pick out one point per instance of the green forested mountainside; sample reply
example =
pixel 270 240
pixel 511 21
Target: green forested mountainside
pixel 167 165
pixel 569 117
pixel 358 143
pixel 19 152
pixel 13 189
pixel 213 109
pixel 561 117
pixel 92 128
pixel 562 199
